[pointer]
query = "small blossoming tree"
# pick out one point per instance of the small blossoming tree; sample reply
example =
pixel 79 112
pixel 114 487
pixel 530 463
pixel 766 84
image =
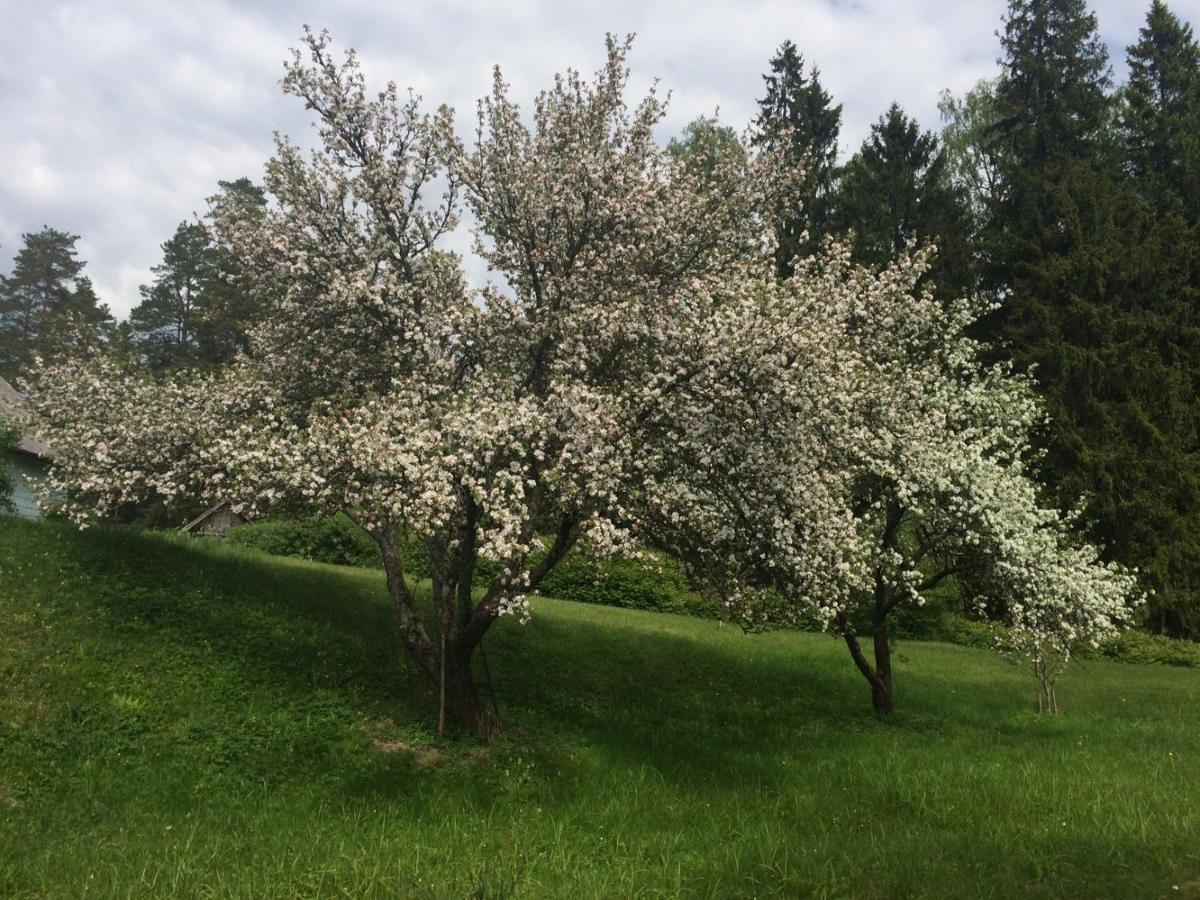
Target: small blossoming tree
pixel 866 456
pixel 506 425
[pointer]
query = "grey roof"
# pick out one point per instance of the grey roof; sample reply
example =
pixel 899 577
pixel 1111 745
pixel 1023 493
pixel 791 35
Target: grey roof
pixel 10 404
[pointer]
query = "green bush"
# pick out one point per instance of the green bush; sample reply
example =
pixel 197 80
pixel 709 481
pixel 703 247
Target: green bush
pixel 8 443
pixel 1129 646
pixel 955 628
pixel 1139 647
pixel 328 539
pixel 656 583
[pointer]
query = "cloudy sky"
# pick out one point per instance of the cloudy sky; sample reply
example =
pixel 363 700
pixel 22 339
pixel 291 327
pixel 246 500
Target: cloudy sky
pixel 117 117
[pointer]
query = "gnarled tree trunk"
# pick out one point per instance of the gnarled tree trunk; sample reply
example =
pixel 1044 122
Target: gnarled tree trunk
pixel 447 659
pixel 461 622
pixel 879 675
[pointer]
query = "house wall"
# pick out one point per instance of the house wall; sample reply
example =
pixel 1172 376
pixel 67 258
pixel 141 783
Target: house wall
pixel 27 471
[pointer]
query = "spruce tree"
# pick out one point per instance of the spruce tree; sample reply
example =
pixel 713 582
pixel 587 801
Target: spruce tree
pixel 797 117
pixel 1161 113
pixel 1052 221
pixel 897 190
pixel 1078 264
pixel 1158 513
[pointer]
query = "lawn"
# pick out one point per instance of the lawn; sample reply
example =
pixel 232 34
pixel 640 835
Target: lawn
pixel 190 719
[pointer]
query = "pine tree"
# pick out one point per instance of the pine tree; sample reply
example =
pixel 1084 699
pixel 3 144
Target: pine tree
pixel 897 190
pixel 1161 114
pixel 199 310
pixel 46 304
pixel 797 116
pixel 166 320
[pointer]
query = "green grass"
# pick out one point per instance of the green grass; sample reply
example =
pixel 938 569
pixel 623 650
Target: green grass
pixel 193 720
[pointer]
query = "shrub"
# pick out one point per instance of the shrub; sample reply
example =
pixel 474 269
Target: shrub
pixel 1139 647
pixel 656 583
pixel 1129 646
pixel 955 628
pixel 328 539
pixel 659 584
pixel 8 443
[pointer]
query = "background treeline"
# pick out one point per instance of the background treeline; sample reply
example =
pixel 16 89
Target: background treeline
pixel 194 312
pixel 1069 201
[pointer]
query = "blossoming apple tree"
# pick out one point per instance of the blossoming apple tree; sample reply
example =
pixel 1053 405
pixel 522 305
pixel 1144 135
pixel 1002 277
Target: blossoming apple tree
pixel 505 425
pixel 865 455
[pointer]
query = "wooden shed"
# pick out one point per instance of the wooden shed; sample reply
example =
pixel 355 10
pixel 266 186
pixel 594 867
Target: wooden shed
pixel 217 520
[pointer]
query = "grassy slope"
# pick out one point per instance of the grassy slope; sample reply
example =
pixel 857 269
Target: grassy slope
pixel 186 719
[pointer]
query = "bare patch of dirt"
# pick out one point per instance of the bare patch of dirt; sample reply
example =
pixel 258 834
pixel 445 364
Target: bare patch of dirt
pixel 423 756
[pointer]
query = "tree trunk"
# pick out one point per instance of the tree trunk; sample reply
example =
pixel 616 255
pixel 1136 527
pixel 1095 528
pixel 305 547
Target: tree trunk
pixel 882 694
pixel 464 708
pixel 447 662
pixel 878 676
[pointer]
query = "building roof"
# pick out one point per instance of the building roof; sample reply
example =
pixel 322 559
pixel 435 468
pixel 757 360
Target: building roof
pixel 10 404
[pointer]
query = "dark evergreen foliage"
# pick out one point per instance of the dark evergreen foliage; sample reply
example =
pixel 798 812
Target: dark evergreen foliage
pixel 1096 276
pixel 198 311
pixel 167 320
pixel 897 191
pixel 797 116
pixel 1161 114
pixel 231 309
